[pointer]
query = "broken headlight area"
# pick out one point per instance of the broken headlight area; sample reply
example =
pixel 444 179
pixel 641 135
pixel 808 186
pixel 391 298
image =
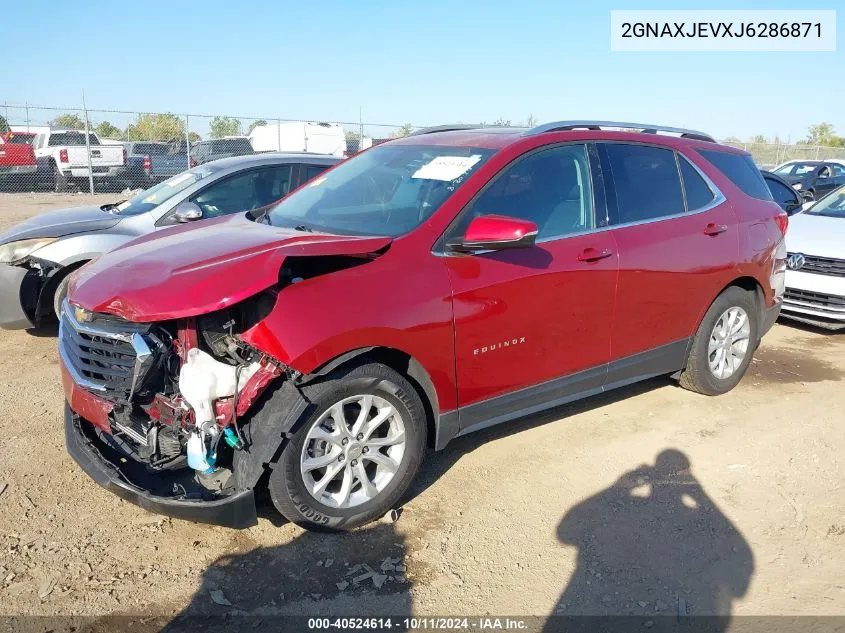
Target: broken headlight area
pixel 179 389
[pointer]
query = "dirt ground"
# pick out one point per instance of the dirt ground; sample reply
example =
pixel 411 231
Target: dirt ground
pixel 650 501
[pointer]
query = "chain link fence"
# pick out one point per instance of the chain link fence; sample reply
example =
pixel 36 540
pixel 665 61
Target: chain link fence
pixel 46 148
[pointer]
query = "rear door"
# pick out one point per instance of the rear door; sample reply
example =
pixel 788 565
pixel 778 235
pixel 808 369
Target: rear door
pixel 532 325
pixel 677 241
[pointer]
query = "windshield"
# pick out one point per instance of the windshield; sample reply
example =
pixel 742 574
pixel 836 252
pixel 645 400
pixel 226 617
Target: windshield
pixel 150 149
pixel 796 169
pixel 388 190
pixel 154 196
pixel 831 206
pixel 19 139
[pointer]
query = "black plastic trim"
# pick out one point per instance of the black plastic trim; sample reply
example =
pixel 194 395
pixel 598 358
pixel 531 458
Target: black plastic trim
pixel 235 511
pixel 665 359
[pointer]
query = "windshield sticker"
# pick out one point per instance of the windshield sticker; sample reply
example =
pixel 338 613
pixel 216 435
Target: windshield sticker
pixel 317 182
pixel 447 168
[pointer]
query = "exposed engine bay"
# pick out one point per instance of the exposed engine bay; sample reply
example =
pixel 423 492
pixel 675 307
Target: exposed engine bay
pixel 177 388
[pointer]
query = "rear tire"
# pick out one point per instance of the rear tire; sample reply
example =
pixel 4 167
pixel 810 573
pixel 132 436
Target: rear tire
pixel 724 344
pixel 373 451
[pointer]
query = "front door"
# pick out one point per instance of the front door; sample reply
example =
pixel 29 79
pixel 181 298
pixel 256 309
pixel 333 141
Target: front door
pixel 532 325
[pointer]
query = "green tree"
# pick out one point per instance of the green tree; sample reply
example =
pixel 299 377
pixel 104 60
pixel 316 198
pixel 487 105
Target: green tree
pixel 107 130
pixel 4 125
pixel 758 139
pixel 500 122
pixel 402 131
pixel 820 134
pixel 221 126
pixel 68 121
pixel 156 127
pixel 193 137
pixel 255 124
pixel 732 140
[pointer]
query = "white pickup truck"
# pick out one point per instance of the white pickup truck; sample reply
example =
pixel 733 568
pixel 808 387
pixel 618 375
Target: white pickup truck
pixel 63 159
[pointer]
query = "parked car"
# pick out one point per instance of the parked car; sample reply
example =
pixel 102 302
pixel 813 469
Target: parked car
pixel 786 196
pixel 815 178
pixel 815 276
pixel 37 256
pixel 65 156
pixel 421 290
pixel 17 162
pixel 206 151
pixel 149 163
pixel 299 136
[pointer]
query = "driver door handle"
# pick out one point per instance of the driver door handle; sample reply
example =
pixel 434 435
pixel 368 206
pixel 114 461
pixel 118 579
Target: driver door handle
pixel 715 229
pixel 593 254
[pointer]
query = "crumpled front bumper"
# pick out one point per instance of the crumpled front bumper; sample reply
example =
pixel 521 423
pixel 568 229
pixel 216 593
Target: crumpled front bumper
pixel 103 464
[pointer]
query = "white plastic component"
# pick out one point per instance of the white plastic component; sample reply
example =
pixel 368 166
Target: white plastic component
pixel 197 453
pixel 202 380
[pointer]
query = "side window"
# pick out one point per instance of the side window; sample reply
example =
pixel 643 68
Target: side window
pixel 696 189
pixel 551 188
pixel 244 192
pixel 838 170
pixel 645 181
pixel 742 171
pixel 783 195
pixel 312 171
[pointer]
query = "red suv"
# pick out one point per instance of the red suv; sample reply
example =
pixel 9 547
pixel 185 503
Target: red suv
pixel 421 290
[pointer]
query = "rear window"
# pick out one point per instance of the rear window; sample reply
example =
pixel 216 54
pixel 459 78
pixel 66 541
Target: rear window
pixel 231 145
pixel 741 171
pixel 149 149
pixel 19 139
pixel 697 190
pixel 645 181
pixel 71 138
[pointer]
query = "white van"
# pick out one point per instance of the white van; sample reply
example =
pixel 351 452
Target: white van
pixel 299 136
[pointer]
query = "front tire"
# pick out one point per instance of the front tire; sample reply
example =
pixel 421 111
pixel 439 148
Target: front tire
pixel 355 453
pixel 724 344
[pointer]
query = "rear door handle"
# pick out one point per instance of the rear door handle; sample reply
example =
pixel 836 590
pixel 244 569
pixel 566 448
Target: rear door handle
pixel 593 254
pixel 715 229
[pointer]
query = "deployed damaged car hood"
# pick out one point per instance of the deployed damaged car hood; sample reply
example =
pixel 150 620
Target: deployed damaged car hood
pixel 191 270
pixel 60 223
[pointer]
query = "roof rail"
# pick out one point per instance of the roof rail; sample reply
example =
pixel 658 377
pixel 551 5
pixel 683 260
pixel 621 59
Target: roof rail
pixel 448 128
pixel 560 126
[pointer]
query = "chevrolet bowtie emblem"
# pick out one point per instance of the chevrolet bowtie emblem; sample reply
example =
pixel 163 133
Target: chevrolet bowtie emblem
pixel 82 315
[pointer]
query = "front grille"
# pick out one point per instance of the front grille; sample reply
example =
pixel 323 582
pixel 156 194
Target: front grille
pixel 823 265
pixel 103 355
pixel 814 299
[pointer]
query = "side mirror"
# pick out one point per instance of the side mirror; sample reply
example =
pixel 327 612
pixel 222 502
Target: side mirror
pixel 807 196
pixel 187 212
pixel 792 206
pixel 497 232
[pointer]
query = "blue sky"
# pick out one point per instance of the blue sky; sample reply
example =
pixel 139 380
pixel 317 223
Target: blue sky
pixel 420 62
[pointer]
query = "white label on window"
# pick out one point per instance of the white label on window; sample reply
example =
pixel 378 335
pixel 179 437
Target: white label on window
pixel 446 168
pixel 178 180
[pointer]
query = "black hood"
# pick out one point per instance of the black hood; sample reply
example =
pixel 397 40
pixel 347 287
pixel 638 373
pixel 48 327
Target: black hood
pixel 60 223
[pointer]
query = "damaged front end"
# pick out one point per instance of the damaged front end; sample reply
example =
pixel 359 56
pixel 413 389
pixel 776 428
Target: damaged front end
pixel 27 288
pixel 153 408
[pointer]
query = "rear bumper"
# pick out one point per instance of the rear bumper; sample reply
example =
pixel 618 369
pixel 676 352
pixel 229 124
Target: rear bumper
pixel 152 492
pixel 17 170
pixel 12 314
pixel 109 172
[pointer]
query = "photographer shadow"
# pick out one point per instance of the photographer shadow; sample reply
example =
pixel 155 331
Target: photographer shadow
pixel 652 547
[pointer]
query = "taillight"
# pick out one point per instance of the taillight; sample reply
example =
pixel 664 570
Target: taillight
pixel 192 163
pixel 147 163
pixel 125 155
pixel 782 220
pixel 63 156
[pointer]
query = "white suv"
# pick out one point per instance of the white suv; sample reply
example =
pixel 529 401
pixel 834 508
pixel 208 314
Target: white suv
pixel 815 276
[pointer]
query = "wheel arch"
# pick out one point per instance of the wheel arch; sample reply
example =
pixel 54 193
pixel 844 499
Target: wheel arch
pixel 398 360
pixel 45 297
pixel 745 282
